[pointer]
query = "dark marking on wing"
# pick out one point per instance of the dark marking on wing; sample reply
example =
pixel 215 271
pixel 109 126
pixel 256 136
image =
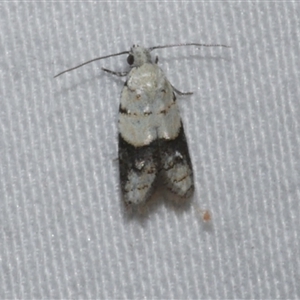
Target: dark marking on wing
pixel 125 111
pixel 164 111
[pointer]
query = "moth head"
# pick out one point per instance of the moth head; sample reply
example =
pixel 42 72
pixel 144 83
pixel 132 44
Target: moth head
pixel 138 56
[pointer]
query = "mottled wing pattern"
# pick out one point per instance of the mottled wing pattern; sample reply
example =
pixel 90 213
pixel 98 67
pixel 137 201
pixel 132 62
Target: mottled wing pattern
pixel 176 165
pixel 138 171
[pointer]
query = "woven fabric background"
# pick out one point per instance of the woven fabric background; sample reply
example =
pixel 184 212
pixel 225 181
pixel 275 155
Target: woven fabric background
pixel 63 229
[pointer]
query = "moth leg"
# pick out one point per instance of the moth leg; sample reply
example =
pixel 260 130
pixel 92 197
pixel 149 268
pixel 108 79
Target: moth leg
pixel 176 165
pixel 138 171
pixel 181 93
pixel 120 74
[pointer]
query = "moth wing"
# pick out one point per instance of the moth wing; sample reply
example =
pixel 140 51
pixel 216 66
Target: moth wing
pixel 138 171
pixel 176 165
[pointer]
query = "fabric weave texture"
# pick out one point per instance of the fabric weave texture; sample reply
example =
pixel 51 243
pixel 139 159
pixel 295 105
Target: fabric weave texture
pixel 64 231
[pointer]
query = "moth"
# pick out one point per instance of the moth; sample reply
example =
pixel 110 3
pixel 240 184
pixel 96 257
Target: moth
pixel 152 142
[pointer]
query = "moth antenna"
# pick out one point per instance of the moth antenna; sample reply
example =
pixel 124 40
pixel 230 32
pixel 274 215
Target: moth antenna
pixel 92 60
pixel 188 44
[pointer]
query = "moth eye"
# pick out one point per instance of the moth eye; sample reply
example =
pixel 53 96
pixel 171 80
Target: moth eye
pixel 130 59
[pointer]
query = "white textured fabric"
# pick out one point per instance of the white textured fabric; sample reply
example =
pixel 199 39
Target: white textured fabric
pixel 64 233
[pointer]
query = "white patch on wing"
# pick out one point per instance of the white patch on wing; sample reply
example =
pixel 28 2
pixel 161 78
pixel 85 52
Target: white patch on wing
pixel 149 110
pixel 139 182
pixel 178 175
